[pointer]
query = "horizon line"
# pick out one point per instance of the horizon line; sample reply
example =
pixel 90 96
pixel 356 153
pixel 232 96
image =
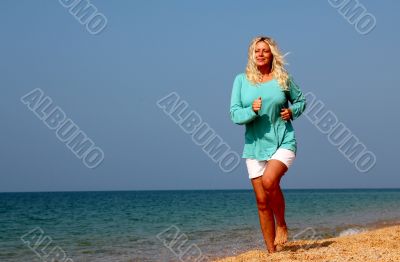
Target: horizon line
pixel 226 189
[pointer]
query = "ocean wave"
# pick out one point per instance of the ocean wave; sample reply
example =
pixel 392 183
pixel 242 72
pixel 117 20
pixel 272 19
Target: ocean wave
pixel 351 231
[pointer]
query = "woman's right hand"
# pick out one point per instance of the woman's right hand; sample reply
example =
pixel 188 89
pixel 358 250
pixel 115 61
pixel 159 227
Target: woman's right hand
pixel 257 105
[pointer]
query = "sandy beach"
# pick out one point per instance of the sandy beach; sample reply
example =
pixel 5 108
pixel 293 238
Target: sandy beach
pixel 382 244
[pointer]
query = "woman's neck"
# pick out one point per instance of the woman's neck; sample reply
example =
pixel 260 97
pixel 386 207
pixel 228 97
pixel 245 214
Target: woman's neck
pixel 265 70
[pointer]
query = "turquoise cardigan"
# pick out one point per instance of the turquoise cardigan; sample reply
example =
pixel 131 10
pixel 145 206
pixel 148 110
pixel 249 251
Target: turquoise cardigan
pixel 265 131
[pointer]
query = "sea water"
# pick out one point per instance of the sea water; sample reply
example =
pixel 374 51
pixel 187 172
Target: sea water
pixel 131 225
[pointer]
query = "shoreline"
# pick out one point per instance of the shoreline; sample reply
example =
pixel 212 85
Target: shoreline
pixel 379 243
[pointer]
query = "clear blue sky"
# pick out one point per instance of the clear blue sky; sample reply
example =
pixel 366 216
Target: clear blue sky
pixel 108 84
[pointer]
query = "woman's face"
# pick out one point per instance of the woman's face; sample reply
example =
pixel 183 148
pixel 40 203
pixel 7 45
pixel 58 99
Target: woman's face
pixel 263 54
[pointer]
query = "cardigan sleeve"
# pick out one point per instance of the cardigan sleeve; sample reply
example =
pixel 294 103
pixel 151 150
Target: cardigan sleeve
pixel 296 98
pixel 240 115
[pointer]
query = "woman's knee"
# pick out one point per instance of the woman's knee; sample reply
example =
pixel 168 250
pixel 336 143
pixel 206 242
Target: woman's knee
pixel 270 185
pixel 263 205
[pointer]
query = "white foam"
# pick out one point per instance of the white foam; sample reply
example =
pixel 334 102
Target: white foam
pixel 351 231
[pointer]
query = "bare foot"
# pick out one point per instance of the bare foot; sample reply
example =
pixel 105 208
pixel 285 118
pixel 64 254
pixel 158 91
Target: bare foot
pixel 281 235
pixel 278 248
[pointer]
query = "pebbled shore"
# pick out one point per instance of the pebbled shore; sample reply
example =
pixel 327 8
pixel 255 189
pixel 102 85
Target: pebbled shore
pixel 381 244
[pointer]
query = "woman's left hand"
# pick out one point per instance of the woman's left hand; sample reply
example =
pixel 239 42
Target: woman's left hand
pixel 286 114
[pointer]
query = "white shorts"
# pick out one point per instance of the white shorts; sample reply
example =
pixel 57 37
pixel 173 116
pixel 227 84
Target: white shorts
pixel 256 167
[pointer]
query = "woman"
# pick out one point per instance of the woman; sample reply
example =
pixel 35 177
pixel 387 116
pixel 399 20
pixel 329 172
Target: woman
pixel 260 101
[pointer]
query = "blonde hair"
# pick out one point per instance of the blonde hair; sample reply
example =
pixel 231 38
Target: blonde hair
pixel 278 63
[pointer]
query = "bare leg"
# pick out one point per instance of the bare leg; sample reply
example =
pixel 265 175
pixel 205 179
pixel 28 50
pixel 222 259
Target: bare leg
pixel 271 178
pixel 265 214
